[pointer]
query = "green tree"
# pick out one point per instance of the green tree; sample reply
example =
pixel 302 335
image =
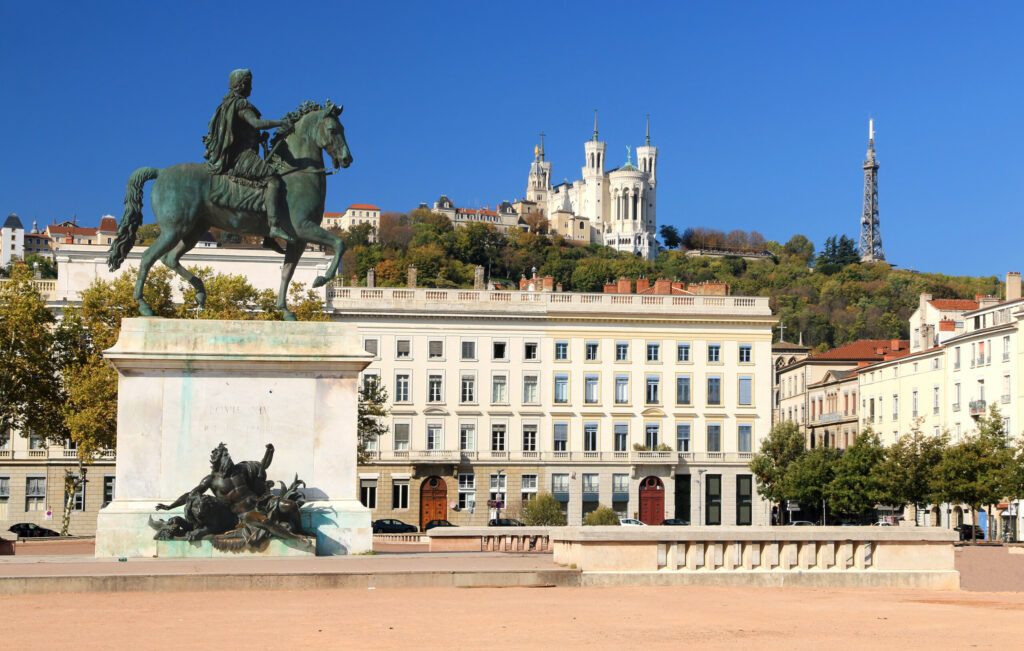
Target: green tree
pixel 855 487
pixel 670 236
pixel 147 234
pixel 543 511
pixel 905 473
pixel 602 516
pixel 44 266
pixel 807 479
pixel 979 470
pixel 372 410
pixel 30 389
pixel 90 409
pixel 779 450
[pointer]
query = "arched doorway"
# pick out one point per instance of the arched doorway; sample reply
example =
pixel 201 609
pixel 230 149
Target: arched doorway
pixel 936 519
pixel 652 501
pixel 433 500
pixel 959 515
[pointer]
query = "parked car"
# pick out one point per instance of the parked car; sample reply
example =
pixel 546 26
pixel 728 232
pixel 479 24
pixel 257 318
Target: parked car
pixel 631 522
pixel 676 522
pixel 801 523
pixel 30 530
pixel 437 523
pixel 965 531
pixel 390 525
pixel 505 522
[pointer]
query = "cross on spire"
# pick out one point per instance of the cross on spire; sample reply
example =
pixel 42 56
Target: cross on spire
pixel 595 125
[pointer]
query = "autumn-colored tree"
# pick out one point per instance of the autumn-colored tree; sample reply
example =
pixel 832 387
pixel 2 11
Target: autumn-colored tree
pixel 30 389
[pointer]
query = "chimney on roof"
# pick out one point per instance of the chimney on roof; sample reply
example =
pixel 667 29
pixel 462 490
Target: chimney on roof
pixel 642 284
pixel 625 286
pixel 410 279
pixel 894 345
pixel 371 277
pixel 522 283
pixel 1012 285
pixel 478 277
pixel 549 283
pixel 922 304
pixel 987 301
pixel 662 286
pixel 610 288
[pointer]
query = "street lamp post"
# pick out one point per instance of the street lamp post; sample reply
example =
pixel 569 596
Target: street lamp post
pixel 700 502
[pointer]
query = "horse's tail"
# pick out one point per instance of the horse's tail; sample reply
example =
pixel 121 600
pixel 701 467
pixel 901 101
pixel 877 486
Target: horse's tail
pixel 132 217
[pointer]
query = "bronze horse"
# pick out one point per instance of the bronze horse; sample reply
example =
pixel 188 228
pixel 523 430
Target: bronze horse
pixel 185 212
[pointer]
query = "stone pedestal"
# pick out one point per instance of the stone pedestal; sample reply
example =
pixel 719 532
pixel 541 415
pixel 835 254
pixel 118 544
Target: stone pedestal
pixel 184 386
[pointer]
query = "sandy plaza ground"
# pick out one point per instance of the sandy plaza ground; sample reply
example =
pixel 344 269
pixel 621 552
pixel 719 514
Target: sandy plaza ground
pixel 517 618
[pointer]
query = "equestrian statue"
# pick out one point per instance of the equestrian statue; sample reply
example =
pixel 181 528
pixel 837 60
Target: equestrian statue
pixel 279 196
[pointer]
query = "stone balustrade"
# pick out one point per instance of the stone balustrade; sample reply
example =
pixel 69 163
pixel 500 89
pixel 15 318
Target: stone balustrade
pixel 457 300
pixel 836 556
pixel 490 539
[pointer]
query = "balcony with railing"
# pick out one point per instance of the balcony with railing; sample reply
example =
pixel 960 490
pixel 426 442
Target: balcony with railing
pixel 391 299
pixel 51 453
pixel 976 408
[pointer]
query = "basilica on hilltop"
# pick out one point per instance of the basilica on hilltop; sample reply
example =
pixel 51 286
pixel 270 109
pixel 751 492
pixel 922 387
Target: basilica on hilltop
pixel 612 207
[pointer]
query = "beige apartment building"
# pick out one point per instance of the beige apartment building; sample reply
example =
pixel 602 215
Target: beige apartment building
pixel 820 394
pixel 650 404
pixel 32 485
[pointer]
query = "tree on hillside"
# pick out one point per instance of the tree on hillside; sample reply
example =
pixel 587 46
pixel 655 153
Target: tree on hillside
pixel 800 248
pixel 670 236
pixel 905 472
pixel 395 229
pixel 836 254
pixel 855 487
pixel 536 222
pixel 30 390
pixel 779 450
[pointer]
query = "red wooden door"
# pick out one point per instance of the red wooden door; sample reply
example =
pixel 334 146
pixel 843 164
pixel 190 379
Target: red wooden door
pixel 652 501
pixel 433 500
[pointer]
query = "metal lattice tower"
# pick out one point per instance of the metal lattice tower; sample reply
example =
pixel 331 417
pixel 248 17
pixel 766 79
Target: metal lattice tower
pixel 870 230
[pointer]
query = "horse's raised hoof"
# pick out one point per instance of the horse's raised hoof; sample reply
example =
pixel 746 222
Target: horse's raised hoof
pixel 288 315
pixel 320 281
pixel 145 309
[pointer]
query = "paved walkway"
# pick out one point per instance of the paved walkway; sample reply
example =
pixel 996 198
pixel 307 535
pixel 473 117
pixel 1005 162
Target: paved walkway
pixel 516 618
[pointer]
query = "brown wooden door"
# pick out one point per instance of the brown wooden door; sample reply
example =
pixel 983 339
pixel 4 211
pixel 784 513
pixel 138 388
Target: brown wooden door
pixel 652 501
pixel 433 501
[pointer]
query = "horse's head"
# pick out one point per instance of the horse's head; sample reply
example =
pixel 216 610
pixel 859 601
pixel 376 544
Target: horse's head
pixel 330 135
pixel 317 129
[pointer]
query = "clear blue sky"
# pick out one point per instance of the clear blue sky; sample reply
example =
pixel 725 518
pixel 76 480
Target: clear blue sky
pixel 759 110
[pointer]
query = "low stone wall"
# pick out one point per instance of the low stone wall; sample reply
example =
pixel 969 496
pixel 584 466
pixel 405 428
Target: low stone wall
pixel 823 556
pixel 490 539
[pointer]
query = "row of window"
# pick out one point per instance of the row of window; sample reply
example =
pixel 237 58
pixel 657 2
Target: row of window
pixel 35 493
pixel 714 395
pixel 591 488
pixel 531 351
pixel 499 437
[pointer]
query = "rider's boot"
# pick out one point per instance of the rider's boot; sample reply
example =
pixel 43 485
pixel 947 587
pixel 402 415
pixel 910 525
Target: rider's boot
pixel 271 199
